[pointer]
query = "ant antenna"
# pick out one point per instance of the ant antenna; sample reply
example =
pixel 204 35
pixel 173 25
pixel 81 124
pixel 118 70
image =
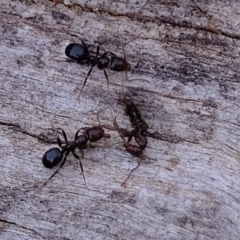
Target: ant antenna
pixel 106 76
pixel 124 183
pixel 116 126
pixel 81 167
pixel 98 113
pixel 124 56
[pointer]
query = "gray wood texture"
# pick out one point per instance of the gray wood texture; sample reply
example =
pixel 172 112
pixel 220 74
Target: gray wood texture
pixel 187 186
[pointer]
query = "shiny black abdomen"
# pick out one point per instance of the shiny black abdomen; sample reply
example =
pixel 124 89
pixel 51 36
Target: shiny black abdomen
pixel 52 157
pixel 77 52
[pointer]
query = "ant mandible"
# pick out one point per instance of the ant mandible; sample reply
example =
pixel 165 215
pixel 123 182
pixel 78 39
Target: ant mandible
pixel 55 155
pixel 80 53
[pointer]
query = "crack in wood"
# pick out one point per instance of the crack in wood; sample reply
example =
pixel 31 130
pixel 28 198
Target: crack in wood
pixel 16 127
pixel 149 20
pixel 20 226
pixel 165 21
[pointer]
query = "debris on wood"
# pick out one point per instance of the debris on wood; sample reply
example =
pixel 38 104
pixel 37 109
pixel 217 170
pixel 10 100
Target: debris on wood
pixel 65 2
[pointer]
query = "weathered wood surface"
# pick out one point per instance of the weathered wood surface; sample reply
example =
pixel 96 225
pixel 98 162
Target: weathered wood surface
pixel 189 187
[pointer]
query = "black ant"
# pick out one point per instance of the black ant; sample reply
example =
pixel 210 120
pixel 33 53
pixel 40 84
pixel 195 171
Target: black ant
pixel 140 126
pixel 55 155
pixel 80 53
pixel 134 150
pixel 139 133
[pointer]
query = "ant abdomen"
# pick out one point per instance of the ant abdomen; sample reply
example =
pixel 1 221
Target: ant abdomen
pixel 52 157
pixel 133 149
pixel 77 52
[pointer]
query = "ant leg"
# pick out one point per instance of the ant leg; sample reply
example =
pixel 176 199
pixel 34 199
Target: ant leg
pixel 68 60
pixel 126 43
pixel 124 183
pixel 89 72
pixel 130 138
pixel 45 141
pixel 126 76
pixel 76 134
pixel 98 113
pixel 122 132
pixel 139 10
pixel 64 135
pixel 97 51
pixel 81 167
pixel 116 126
pixel 124 57
pixel 83 43
pixel 82 153
pixel 59 142
pixel 105 73
pixel 63 162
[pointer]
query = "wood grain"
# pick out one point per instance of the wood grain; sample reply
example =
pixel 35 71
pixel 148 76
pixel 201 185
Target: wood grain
pixel 187 187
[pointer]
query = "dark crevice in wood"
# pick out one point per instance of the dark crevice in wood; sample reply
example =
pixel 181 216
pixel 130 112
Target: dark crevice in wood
pixel 146 19
pixel 171 138
pixel 164 20
pixel 26 228
pixel 16 127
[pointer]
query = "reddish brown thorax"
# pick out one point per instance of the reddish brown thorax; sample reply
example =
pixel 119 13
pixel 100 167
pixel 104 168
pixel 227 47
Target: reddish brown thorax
pixel 96 133
pixel 119 64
